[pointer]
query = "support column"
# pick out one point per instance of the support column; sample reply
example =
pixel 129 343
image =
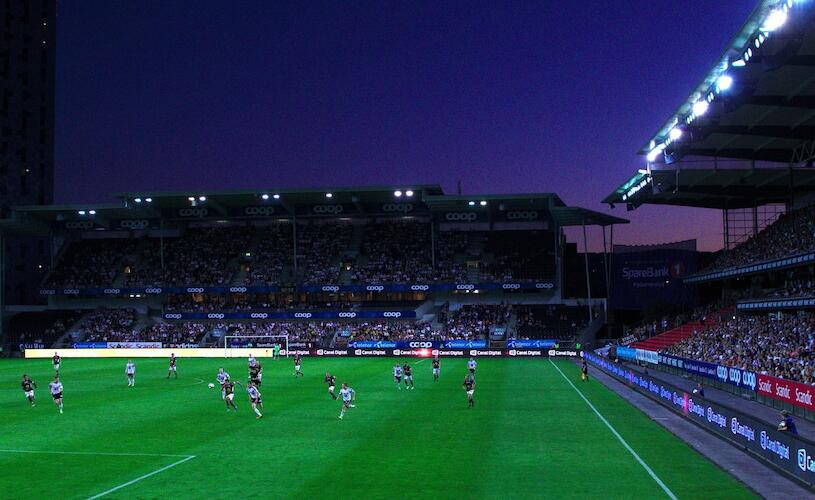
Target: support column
pixel 161 242
pixel 605 268
pixel 3 341
pixel 433 242
pixel 294 242
pixel 588 279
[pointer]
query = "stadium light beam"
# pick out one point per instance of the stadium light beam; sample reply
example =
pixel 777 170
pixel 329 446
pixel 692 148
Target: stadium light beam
pixel 724 82
pixel 775 20
pixel 675 133
pixel 700 107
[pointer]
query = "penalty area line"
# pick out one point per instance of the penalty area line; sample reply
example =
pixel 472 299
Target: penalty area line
pixel 617 435
pixel 145 476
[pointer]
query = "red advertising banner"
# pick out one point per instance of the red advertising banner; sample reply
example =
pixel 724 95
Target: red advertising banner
pixel 794 393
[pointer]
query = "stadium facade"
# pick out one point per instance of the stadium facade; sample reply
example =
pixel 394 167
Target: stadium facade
pixel 338 254
pixel 27 74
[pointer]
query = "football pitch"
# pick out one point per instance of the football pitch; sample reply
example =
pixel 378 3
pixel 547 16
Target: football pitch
pixel 530 435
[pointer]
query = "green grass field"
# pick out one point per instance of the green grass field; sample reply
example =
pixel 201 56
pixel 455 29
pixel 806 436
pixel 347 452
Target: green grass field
pixel 530 435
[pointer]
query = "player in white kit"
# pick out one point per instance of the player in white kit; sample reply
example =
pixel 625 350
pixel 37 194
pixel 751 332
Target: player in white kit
pixel 471 366
pixel 254 397
pixel 222 379
pixel 56 392
pixel 397 375
pixel 348 395
pixel 130 372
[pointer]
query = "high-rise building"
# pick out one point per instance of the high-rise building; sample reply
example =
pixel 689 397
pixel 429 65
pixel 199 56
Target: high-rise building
pixel 27 71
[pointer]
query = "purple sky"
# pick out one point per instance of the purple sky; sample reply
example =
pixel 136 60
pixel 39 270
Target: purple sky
pixel 508 97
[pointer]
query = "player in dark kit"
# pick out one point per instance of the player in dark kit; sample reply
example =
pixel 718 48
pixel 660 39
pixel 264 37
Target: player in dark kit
pixel 28 386
pixel 229 391
pixel 436 370
pixel 297 372
pixel 584 371
pixel 172 367
pixel 56 360
pixel 256 373
pixel 469 388
pixel 331 380
pixel 408 376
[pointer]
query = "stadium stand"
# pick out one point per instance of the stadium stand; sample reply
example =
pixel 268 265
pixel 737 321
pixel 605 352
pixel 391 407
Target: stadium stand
pixel 781 347
pixel 40 328
pixel 549 321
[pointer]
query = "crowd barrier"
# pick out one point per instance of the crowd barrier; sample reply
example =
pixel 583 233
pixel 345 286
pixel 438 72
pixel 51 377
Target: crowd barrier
pixel 792 454
pixel 261 352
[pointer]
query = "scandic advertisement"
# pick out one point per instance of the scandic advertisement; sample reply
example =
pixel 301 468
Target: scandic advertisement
pixel 786 390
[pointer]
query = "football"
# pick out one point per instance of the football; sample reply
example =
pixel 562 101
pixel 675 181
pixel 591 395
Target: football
pixel 211 385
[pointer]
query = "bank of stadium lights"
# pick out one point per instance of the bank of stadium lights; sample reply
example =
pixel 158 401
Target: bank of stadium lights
pixel 471 203
pixel 397 193
pixel 409 193
pixel 81 212
pixel 92 212
pixel 724 82
pixel 264 196
pixel 329 195
pixel 483 203
pixel 675 133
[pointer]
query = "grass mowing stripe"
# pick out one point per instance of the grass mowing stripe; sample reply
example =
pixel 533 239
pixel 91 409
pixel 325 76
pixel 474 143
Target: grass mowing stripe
pixel 617 435
pixel 145 476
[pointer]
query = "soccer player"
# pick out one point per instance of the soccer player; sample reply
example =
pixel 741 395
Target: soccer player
pixel 172 368
pixel 56 360
pixel 408 376
pixel 469 388
pixel 222 379
pixel 254 397
pixel 297 372
pixel 397 375
pixel 348 396
pixel 435 369
pixel 229 391
pixel 584 371
pixel 252 360
pixel 276 351
pixel 56 392
pixel 471 366
pixel 130 372
pixel 256 373
pixel 330 380
pixel 28 386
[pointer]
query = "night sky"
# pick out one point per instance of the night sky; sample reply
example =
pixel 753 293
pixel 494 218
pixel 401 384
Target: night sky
pixel 508 97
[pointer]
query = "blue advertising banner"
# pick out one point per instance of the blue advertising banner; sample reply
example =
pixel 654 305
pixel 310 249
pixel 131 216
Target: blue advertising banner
pixel 645 278
pixel 733 376
pixel 387 344
pixel 89 345
pixel 465 344
pixel 296 315
pixel 530 344
pixel 529 286
pixel 627 353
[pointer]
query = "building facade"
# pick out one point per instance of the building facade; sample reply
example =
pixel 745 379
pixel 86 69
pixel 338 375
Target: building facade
pixel 27 83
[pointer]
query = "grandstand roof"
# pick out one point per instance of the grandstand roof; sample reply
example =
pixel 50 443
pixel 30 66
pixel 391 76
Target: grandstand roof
pixel 138 210
pixel 738 138
pixel 714 188
pixel 759 96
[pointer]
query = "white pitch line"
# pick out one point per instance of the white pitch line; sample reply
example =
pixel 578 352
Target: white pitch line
pixel 618 436
pixel 102 453
pixel 184 458
pixel 132 481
